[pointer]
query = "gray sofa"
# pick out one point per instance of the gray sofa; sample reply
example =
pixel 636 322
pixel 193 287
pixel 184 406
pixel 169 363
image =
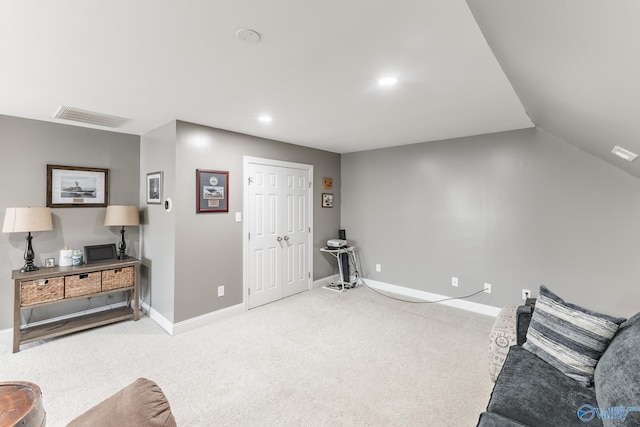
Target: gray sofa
pixel 530 392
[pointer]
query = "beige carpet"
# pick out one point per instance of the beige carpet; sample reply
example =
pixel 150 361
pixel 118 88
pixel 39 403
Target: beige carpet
pixel 319 358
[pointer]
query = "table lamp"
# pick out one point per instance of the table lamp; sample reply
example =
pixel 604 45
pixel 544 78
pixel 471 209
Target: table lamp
pixel 27 220
pixel 118 215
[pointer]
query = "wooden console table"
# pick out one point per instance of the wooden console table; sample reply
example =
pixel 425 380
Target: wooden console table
pixel 53 285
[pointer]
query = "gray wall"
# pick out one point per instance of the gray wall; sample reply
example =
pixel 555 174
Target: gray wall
pixel 515 209
pixel 208 247
pixel 26 147
pixel 186 256
pixel 158 154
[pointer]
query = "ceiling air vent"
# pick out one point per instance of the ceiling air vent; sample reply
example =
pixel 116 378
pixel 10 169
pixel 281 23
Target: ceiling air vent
pixel 77 115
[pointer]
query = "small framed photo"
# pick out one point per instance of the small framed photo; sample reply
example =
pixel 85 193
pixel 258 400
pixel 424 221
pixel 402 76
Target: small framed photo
pixel 50 262
pixel 71 186
pixel 327 200
pixel 327 183
pixel 154 188
pixel 212 191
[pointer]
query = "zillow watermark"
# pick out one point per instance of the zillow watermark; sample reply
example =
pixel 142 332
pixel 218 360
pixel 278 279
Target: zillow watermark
pixel 587 412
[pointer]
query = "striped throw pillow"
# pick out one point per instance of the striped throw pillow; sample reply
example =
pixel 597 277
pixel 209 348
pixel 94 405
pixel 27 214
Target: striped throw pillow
pixel 568 337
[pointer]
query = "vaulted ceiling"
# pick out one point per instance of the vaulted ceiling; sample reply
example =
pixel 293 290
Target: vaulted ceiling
pixel 462 68
pixel 575 66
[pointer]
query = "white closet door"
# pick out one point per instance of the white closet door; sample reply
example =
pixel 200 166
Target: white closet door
pixel 279 232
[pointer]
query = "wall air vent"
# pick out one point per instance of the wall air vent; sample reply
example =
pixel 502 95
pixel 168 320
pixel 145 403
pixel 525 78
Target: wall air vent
pixel 77 115
pixel 624 154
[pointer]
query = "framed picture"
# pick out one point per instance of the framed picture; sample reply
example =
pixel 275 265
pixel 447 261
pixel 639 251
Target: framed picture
pixel 71 186
pixel 99 253
pixel 327 200
pixel 50 262
pixel 154 188
pixel 212 191
pixel 327 183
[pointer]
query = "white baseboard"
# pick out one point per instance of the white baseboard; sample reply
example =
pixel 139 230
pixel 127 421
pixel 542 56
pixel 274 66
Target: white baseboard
pixel 475 307
pixel 162 321
pixel 193 323
pixel 205 319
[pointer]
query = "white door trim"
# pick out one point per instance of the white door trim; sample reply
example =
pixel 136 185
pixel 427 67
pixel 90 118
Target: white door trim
pixel 245 213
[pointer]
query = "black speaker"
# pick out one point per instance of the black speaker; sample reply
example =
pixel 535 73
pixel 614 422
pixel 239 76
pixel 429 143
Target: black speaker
pixel 344 258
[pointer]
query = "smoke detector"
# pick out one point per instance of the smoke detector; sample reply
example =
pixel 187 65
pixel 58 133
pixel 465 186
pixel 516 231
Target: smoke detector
pixel 84 116
pixel 248 35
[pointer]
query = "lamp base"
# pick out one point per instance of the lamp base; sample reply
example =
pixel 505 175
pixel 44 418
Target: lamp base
pixel 28 267
pixel 28 256
pixel 122 246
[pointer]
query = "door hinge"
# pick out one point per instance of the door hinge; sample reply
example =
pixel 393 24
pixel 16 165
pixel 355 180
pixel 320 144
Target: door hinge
pixel 310 184
pixel 309 229
pixel 309 274
pixel 249 238
pixel 248 291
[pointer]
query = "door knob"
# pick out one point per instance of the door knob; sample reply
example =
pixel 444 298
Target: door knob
pixel 279 239
pixel 286 237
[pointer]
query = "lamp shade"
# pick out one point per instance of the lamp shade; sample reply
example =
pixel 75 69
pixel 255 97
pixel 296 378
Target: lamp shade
pixel 118 215
pixel 25 220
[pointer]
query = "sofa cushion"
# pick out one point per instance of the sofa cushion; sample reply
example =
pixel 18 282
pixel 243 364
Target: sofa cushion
pixel 488 419
pixel 617 376
pixel 569 337
pixel 140 404
pixel 532 392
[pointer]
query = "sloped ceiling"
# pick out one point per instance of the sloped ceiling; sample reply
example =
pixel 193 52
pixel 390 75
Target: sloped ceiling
pixel 315 70
pixel 575 65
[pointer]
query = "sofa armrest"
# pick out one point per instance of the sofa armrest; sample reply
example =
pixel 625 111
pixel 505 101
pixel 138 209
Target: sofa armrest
pixel 140 404
pixel 523 318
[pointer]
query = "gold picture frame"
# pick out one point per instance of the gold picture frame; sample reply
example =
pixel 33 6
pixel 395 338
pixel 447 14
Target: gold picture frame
pixel 327 183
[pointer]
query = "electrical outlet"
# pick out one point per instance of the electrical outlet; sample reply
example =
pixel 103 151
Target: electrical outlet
pixel 526 293
pixel 454 281
pixel 487 288
pixel 378 268
pixel 220 291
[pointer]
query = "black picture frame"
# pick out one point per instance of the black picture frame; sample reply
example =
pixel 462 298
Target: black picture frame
pixel 100 253
pixel 212 191
pixel 327 200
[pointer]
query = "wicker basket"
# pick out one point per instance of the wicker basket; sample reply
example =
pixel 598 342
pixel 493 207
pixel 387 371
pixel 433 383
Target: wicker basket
pixel 39 291
pixel 116 279
pixel 82 284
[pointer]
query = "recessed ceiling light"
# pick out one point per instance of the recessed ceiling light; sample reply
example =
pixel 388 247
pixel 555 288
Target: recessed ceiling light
pixel 387 81
pixel 265 119
pixel 624 154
